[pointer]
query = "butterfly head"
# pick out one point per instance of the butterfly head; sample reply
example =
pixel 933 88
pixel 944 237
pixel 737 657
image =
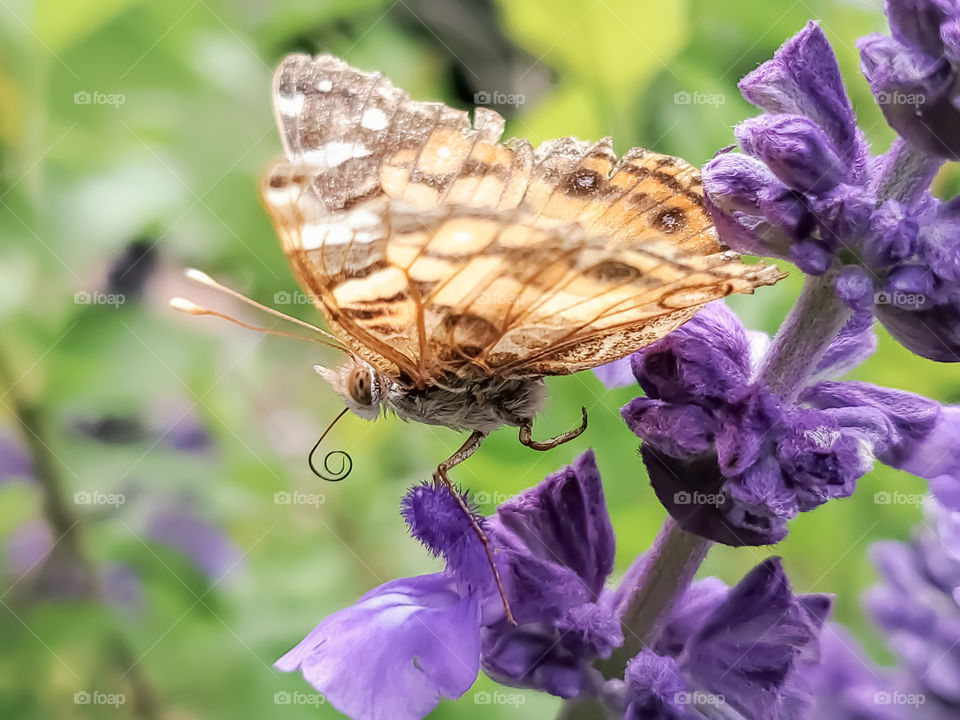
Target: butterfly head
pixel 360 386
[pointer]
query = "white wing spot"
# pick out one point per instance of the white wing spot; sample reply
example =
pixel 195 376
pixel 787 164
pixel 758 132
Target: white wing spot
pixel 324 86
pixel 289 104
pixel 337 152
pixel 374 119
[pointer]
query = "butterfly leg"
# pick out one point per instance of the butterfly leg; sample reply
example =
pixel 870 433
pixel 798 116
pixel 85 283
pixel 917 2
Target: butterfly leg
pixel 526 439
pixel 440 476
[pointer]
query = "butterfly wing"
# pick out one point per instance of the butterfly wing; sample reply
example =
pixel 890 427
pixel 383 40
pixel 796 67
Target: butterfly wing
pixel 434 250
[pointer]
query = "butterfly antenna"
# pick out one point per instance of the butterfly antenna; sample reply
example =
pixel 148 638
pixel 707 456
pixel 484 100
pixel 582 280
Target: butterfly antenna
pixel 204 279
pixel 346 465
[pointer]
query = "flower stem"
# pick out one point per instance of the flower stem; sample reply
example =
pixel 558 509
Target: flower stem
pixel 810 327
pixel 906 173
pixel 653 585
pixel 664 572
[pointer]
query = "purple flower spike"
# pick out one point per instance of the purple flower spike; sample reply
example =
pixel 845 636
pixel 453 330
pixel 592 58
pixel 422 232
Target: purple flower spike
pixel 803 78
pixel 916 606
pixel 812 194
pixel 559 548
pixel 749 650
pixel 409 643
pixel 914 73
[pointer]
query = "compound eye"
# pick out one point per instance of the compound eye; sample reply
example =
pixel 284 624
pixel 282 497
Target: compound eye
pixel 360 386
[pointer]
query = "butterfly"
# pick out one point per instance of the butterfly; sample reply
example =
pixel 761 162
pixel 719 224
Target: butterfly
pixel 456 271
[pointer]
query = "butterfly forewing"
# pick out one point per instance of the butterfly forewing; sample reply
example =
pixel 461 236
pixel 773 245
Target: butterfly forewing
pixel 433 249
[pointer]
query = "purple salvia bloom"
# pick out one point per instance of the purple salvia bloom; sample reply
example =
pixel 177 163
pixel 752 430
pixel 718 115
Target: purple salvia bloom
pixel 733 462
pixel 560 547
pixel 916 606
pixel 15 462
pixel 395 653
pixel 846 685
pixel 750 648
pixel 744 649
pixel 914 73
pixel 808 190
pixel 205 545
pixel 554 548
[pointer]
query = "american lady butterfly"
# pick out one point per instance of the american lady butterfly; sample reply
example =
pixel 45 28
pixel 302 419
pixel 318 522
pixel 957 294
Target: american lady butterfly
pixel 456 271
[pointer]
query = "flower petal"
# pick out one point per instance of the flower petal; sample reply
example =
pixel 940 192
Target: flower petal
pixel 396 653
pixel 564 520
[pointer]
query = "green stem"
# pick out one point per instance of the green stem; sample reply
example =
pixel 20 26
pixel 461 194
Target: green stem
pixel 67 554
pixel 804 337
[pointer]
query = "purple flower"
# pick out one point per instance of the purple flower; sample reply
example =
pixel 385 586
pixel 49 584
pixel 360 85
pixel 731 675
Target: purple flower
pixel 744 649
pixel 916 606
pixel 914 76
pixel 396 653
pixel 808 190
pixel 206 546
pixel 15 462
pixel 428 636
pixel 732 461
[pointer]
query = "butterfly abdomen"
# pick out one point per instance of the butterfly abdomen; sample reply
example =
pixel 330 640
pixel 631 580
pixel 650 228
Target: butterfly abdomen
pixel 483 406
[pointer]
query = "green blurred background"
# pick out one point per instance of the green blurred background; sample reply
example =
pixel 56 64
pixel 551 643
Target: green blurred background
pixel 196 424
